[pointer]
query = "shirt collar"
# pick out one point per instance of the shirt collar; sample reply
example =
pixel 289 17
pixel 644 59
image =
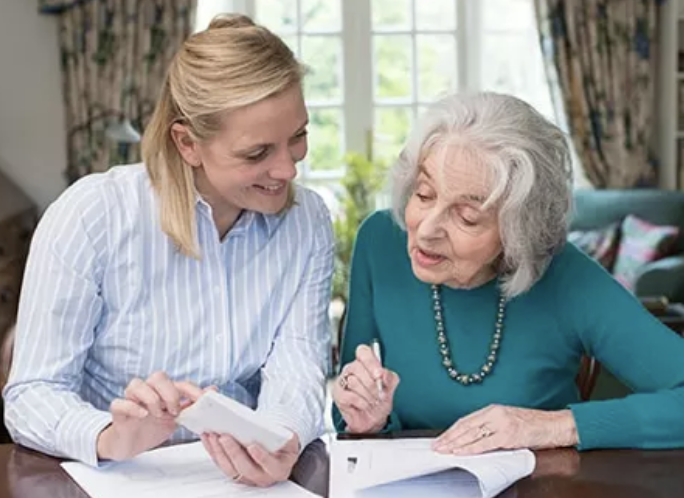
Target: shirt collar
pixel 247 220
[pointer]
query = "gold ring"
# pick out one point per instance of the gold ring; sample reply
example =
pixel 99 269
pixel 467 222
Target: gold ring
pixel 344 381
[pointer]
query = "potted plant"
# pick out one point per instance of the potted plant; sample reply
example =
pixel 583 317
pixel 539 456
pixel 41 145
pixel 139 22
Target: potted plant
pixel 362 183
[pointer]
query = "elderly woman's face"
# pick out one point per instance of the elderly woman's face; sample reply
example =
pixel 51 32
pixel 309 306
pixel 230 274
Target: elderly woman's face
pixel 451 239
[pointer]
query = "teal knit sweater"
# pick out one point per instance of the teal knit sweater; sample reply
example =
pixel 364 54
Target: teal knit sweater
pixel 576 308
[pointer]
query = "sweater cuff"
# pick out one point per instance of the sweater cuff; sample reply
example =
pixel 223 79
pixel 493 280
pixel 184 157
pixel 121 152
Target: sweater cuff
pixel 393 423
pixel 604 424
pixel 78 432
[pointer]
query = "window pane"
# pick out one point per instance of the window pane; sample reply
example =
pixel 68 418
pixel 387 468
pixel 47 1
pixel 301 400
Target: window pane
pixel 391 14
pixel 325 139
pixel 291 41
pixel 321 15
pixel 515 65
pixel 277 15
pixel 437 65
pixel 323 56
pixel 392 66
pixel 519 15
pixel 392 126
pixel 330 191
pixel 436 14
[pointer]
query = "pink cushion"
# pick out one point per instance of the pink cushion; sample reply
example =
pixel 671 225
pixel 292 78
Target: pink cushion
pixel 601 244
pixel 641 242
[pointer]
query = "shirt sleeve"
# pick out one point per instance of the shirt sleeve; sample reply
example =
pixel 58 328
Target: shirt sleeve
pixel 360 326
pixel 639 350
pixel 60 306
pixel 294 375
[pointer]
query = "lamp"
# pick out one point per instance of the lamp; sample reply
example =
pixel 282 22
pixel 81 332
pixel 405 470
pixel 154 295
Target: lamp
pixel 121 131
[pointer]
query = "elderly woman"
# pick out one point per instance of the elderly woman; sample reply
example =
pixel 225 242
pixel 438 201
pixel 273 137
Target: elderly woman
pixel 482 310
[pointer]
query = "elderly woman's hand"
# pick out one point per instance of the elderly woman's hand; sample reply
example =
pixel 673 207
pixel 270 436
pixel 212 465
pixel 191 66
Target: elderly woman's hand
pixel 364 408
pixel 505 428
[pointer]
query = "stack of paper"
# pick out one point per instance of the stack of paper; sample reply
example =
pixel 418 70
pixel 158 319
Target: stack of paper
pixel 409 467
pixel 182 471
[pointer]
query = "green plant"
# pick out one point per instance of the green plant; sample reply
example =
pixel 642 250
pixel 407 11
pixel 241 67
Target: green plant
pixel 362 182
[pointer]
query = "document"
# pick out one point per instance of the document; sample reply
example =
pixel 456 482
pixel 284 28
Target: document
pixel 181 471
pixel 397 468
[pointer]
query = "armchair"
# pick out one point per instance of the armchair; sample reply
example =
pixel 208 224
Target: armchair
pixel 598 208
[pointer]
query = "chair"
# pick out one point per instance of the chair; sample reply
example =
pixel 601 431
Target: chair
pixel 5 364
pixel 6 355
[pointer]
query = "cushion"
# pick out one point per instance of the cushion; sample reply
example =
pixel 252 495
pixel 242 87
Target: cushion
pixel 641 242
pixel 601 244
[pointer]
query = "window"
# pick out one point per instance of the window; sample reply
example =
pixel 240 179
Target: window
pixel 375 65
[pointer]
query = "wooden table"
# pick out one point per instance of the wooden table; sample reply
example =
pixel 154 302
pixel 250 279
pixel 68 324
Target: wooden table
pixel 559 473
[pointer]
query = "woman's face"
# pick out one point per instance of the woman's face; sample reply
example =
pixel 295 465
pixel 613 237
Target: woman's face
pixel 250 163
pixel 451 239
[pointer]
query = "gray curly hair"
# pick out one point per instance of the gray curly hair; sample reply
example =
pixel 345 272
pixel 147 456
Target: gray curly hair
pixel 531 169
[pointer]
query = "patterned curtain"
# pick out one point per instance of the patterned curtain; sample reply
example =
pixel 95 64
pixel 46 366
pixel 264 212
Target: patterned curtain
pixel 114 54
pixel 602 54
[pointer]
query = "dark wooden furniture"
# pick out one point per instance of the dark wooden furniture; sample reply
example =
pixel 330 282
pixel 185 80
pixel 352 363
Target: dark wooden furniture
pixel 27 474
pixel 17 220
pixel 558 474
pixel 18 217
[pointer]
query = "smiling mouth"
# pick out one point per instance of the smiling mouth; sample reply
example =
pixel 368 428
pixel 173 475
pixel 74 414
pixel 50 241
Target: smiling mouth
pixel 271 189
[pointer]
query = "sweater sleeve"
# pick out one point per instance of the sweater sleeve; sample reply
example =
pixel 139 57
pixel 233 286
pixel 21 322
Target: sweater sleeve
pixel 360 326
pixel 638 349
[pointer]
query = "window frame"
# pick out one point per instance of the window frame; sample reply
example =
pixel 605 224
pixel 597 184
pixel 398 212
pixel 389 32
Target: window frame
pixel 358 103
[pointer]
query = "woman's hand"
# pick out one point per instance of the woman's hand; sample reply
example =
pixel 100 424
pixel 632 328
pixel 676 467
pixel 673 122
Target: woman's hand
pixel 356 394
pixel 145 417
pixel 252 465
pixel 505 428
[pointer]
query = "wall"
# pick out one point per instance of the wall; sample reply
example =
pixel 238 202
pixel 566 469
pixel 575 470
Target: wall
pixel 32 133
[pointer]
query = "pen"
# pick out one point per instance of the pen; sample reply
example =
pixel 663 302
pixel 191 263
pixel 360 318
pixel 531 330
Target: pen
pixel 376 351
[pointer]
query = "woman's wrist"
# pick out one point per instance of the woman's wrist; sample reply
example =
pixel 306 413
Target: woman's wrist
pixel 565 429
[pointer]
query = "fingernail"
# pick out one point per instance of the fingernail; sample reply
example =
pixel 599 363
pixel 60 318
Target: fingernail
pixel 143 412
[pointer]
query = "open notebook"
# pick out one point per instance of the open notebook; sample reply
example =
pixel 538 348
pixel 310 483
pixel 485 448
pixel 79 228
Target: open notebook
pixel 397 468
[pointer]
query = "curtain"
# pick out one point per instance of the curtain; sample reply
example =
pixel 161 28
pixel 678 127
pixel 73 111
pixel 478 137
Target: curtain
pixel 602 53
pixel 114 54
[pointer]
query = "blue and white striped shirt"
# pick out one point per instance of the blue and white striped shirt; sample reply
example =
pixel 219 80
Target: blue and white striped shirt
pixel 107 297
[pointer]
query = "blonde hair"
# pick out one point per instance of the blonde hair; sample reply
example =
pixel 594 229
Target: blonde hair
pixel 232 64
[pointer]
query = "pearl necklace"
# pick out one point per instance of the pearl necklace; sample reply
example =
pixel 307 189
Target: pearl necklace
pixel 445 351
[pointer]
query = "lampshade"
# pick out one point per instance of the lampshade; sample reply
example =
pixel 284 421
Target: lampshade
pixel 122 131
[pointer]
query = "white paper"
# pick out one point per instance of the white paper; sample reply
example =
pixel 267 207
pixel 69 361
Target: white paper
pixel 181 471
pixel 409 467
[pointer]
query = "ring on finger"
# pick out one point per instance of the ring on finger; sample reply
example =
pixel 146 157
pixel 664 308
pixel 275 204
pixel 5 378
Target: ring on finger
pixel 484 432
pixel 237 477
pixel 344 381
